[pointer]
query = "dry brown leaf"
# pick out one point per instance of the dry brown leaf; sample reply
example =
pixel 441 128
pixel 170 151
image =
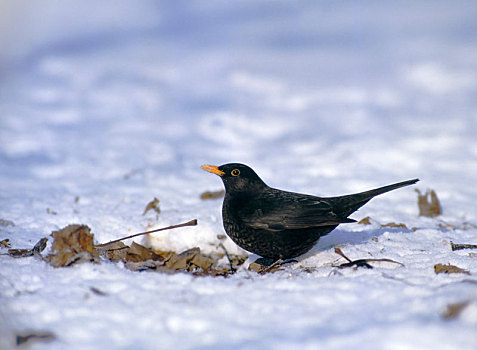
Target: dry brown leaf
pixel 139 258
pixel 201 261
pixel 72 244
pixel 40 246
pixel 181 261
pixel 20 253
pixel 428 208
pixel 6 223
pixel 145 265
pixel 393 224
pixel 453 311
pixel 462 226
pixel 114 252
pixel 440 268
pixel 137 252
pixel 118 251
pixel 365 221
pixel 36 250
pixel 153 205
pixel 5 243
pixel 189 260
pixel 262 269
pixel 256 267
pixel 212 194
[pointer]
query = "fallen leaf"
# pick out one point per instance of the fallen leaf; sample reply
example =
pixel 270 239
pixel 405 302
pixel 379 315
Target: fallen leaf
pixel 144 265
pixel 428 208
pixel 72 244
pixel 5 243
pixel 263 269
pixel 40 246
pixel 393 224
pixel 212 194
pixel 114 252
pixel 36 250
pixel 365 221
pixel 6 223
pixel 181 261
pixel 440 268
pixel 201 261
pixel 153 205
pixel 137 252
pixel 20 253
pixel 453 310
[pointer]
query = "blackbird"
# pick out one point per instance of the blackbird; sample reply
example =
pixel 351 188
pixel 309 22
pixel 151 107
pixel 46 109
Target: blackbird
pixel 277 224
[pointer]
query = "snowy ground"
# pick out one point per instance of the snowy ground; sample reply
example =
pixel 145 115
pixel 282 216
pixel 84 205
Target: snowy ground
pixel 105 106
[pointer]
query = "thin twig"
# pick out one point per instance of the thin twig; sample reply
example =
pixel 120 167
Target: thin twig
pixel 362 262
pixel 271 267
pixel 232 269
pixel 339 252
pixel 116 249
pixel 189 223
pixel 458 246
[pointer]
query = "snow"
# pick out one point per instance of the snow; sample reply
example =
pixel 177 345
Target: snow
pixel 104 106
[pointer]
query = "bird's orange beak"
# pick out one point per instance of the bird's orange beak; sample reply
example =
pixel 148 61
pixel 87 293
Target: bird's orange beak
pixel 213 169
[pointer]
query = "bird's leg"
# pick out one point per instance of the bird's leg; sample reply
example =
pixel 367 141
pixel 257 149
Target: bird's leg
pixel 266 262
pixel 272 266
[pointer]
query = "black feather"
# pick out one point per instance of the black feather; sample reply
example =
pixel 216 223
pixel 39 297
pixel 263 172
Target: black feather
pixel 279 224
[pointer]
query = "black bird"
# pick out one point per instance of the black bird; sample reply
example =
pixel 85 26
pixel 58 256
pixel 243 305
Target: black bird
pixel 277 224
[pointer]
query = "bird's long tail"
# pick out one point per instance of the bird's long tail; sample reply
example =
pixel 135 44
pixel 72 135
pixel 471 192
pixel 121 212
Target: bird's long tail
pixel 380 190
pixel 352 202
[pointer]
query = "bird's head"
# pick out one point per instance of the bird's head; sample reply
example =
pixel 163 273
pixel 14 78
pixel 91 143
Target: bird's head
pixel 237 177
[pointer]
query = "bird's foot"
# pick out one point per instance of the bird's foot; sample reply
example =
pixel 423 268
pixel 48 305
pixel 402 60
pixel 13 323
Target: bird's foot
pixel 264 265
pixel 266 262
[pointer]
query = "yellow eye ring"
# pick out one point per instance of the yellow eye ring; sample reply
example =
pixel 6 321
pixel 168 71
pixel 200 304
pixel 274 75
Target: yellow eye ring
pixel 235 172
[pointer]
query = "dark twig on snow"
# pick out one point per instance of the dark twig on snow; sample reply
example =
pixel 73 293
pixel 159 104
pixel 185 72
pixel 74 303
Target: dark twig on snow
pixel 232 269
pixel 189 223
pixel 362 262
pixel 457 246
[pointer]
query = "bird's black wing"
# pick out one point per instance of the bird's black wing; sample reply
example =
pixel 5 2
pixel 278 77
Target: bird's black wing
pixel 278 211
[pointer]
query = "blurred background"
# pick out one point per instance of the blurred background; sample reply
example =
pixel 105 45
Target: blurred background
pixel 301 91
pixel 105 105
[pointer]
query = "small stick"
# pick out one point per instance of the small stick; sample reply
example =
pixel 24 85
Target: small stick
pixel 339 252
pixel 458 246
pixel 189 223
pixel 228 258
pixel 271 267
pixel 362 262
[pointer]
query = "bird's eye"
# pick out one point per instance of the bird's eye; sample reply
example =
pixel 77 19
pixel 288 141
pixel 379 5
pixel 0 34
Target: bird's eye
pixel 235 172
